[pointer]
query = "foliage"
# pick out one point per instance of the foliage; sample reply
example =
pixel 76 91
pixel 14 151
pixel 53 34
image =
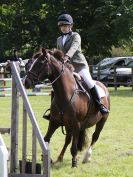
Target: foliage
pixel 28 25
pixel 120 51
pixel 100 23
pixel 21 26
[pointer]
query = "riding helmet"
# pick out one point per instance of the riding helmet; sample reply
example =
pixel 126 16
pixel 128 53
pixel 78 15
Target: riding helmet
pixel 65 19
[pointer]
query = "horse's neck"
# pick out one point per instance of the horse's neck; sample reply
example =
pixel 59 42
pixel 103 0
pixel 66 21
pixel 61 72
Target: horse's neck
pixel 64 86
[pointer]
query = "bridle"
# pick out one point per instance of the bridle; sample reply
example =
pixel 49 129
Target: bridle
pixel 61 72
pixel 35 76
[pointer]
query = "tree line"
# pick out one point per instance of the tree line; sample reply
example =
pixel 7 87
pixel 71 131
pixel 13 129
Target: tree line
pixel 29 25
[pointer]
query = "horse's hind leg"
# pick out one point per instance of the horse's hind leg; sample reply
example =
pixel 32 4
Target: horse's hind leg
pixel 67 142
pixel 95 136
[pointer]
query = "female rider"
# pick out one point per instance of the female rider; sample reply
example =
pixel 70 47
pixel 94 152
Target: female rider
pixel 70 43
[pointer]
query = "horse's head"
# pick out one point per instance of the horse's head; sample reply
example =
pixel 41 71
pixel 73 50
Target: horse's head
pixel 35 67
pixel 47 64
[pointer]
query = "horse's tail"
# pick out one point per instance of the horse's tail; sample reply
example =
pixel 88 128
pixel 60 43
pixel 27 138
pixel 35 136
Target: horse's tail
pixel 82 141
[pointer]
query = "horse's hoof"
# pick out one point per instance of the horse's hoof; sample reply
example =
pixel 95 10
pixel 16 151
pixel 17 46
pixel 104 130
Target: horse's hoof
pixel 87 157
pixel 86 160
pixel 59 160
pixel 57 163
pixel 42 159
pixel 74 166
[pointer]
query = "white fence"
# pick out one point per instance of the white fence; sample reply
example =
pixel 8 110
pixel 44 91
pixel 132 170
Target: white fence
pixel 3 158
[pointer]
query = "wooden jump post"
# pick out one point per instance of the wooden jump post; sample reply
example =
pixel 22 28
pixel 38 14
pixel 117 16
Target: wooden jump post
pixel 18 88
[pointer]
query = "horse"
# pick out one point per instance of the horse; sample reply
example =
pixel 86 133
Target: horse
pixel 72 107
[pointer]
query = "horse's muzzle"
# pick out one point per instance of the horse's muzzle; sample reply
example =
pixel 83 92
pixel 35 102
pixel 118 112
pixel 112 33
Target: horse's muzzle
pixel 27 83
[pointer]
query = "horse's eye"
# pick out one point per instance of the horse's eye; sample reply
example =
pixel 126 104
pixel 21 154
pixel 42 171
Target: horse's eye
pixel 42 61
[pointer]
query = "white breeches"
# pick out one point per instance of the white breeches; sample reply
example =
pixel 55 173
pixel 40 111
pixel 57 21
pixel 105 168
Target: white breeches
pixel 85 74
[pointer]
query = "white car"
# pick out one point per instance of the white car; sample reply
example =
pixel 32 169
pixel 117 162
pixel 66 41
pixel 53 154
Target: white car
pixel 104 70
pixel 125 70
pixel 125 74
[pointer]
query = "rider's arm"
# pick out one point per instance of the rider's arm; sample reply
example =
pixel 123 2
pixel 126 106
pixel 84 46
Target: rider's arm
pixel 76 43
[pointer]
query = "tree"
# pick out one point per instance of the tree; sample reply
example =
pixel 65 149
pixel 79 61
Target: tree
pixel 28 25
pixel 21 26
pixel 101 23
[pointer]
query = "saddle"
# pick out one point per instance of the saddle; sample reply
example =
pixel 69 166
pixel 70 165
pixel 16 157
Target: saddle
pixel 81 83
pixel 83 86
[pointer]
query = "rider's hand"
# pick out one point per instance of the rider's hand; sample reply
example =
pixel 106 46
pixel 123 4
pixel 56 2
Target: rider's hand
pixel 66 58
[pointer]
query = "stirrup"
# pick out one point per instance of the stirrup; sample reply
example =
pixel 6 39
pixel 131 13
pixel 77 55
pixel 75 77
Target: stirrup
pixel 47 115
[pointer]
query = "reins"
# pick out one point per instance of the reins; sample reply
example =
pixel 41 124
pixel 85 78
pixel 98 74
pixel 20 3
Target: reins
pixel 36 77
pixel 73 96
pixel 61 72
pixel 72 99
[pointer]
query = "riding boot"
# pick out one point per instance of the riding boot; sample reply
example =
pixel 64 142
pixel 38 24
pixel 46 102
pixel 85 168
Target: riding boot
pixel 47 115
pixel 96 99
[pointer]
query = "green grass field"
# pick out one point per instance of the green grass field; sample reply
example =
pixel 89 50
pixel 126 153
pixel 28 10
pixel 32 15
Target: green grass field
pixel 113 152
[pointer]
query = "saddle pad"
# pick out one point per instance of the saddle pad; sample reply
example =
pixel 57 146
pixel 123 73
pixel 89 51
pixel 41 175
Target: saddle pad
pixel 100 91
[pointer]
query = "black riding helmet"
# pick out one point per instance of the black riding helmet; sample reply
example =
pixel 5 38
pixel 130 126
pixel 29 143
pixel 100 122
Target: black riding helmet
pixel 65 19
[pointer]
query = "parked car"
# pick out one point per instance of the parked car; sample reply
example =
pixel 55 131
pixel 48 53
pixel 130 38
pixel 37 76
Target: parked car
pixel 124 74
pixel 104 70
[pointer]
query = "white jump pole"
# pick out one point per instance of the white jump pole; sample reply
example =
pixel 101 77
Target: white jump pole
pixel 3 158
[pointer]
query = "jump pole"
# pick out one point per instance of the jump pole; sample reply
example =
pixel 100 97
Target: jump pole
pixel 44 146
pixel 28 94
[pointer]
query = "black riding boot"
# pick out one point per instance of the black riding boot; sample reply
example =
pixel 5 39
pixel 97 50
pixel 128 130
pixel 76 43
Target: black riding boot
pixel 96 98
pixel 47 115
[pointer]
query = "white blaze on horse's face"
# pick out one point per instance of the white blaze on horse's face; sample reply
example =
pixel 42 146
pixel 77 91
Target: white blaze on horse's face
pixel 32 64
pixel 24 79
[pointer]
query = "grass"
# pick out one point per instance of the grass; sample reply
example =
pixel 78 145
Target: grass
pixel 113 152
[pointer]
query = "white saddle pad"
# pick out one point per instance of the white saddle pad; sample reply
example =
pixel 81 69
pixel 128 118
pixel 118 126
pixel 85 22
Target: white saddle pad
pixel 100 91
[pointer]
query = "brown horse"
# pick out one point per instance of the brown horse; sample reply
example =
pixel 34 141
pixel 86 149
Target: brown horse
pixel 71 106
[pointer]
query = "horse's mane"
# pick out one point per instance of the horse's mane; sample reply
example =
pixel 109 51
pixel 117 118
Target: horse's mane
pixel 59 55
pixel 37 54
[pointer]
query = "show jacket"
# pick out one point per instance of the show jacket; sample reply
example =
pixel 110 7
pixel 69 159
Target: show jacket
pixel 72 48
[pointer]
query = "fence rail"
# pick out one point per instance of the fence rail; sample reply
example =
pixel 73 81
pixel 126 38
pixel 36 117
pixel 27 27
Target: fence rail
pixel 112 77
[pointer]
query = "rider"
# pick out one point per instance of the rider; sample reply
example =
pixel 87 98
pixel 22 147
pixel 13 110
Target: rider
pixel 70 43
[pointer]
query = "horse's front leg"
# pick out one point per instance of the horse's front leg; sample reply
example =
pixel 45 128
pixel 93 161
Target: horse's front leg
pixel 51 129
pixel 74 148
pixel 67 142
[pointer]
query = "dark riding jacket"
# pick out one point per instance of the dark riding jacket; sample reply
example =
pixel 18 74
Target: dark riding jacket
pixel 72 48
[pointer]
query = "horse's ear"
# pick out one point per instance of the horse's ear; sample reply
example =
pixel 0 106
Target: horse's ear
pixel 36 55
pixel 44 51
